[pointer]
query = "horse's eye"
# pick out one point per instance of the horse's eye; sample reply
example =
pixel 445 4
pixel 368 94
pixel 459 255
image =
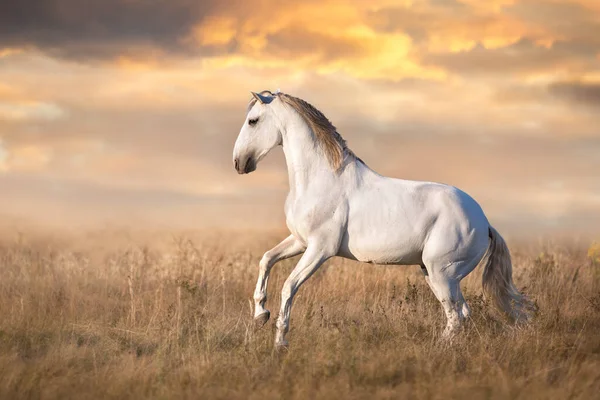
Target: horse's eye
pixel 253 121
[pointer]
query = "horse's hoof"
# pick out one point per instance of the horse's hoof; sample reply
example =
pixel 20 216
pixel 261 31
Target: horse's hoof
pixel 262 319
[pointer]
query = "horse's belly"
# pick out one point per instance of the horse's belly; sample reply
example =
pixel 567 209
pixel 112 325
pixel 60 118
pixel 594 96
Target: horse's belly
pixel 381 251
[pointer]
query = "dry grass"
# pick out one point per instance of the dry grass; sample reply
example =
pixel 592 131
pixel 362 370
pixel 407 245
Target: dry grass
pixel 105 316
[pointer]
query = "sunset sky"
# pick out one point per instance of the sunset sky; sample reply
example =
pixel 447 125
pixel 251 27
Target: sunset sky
pixel 127 110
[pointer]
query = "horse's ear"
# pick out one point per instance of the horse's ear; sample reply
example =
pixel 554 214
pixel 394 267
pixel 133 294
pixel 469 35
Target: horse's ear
pixel 257 97
pixel 262 99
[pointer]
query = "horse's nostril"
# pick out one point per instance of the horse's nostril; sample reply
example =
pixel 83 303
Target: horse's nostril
pixel 235 164
pixel 250 166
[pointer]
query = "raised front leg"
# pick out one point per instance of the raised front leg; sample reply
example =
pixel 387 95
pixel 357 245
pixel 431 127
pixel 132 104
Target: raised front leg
pixel 308 264
pixel 289 247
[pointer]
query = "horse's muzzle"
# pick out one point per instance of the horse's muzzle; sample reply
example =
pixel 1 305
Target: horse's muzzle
pixel 244 167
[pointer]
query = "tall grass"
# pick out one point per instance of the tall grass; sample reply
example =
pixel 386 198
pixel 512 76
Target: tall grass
pixel 114 316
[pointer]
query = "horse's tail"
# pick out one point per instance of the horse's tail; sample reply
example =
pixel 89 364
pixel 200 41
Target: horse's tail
pixel 497 280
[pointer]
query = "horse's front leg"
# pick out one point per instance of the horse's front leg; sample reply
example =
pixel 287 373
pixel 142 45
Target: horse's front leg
pixel 308 264
pixel 289 247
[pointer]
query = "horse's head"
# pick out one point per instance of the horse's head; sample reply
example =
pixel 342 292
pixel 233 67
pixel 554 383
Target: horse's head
pixel 259 134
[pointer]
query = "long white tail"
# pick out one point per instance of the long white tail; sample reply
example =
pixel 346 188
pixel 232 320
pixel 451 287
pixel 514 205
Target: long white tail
pixel 498 284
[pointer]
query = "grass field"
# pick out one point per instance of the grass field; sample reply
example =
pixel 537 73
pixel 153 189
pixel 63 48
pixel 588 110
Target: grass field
pixel 118 314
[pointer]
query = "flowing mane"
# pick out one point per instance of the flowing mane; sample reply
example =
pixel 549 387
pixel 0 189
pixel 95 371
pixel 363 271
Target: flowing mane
pixel 326 134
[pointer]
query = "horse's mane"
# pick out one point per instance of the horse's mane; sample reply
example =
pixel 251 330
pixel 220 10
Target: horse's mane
pixel 330 141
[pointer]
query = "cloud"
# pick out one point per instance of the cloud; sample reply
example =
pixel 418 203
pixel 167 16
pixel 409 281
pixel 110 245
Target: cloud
pixel 297 41
pixel 447 25
pixel 24 158
pixel 378 40
pixel 586 93
pixel 493 38
pixel 23 111
pixel 523 57
pixel 563 20
pixel 99 29
pixel 3 157
pixel 156 30
pixel 129 99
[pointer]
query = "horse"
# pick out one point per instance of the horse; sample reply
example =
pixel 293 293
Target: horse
pixel 338 206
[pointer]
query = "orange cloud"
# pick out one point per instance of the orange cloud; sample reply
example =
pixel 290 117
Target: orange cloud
pixel 9 51
pixel 217 31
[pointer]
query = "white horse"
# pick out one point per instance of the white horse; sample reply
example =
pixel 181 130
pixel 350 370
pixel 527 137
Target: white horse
pixel 337 206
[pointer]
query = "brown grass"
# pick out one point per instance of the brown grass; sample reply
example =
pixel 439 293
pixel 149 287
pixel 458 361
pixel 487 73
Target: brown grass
pixel 114 316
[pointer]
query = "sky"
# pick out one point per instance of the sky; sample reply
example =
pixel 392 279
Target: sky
pixel 127 110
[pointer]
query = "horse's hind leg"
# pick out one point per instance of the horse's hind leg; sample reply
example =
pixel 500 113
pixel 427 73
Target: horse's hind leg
pixel 444 280
pixel 466 310
pixel 447 291
pixel 463 309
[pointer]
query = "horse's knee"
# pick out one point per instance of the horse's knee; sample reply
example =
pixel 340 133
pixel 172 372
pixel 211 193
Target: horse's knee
pixel 265 261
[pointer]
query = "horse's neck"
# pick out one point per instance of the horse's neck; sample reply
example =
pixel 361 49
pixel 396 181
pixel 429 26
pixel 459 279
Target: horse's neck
pixel 305 162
